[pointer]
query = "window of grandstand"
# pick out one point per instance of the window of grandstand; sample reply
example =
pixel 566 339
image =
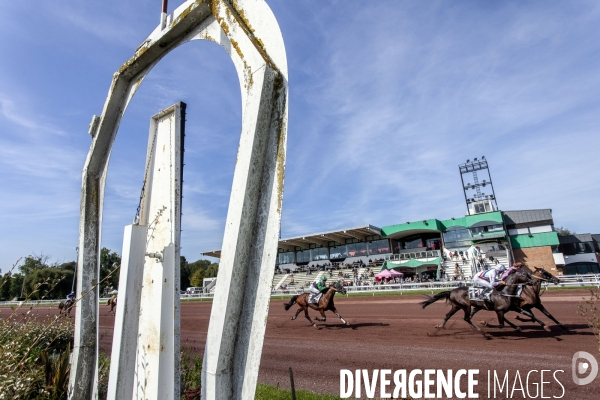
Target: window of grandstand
pixel 379 247
pixel 489 228
pixel 303 257
pixel 570 249
pixel 457 236
pixel 338 252
pixel 285 258
pixel 357 249
pixel 412 242
pixel 581 268
pixel 319 254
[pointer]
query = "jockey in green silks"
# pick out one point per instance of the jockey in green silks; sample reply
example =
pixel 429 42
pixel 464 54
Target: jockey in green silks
pixel 317 288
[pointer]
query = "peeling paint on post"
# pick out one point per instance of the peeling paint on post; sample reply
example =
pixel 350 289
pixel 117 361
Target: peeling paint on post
pixel 248 31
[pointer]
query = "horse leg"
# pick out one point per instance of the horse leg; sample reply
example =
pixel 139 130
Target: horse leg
pixel 453 311
pixel 515 327
pixel 530 315
pixel 547 314
pixel 501 319
pixel 476 309
pixel 308 317
pixel 467 318
pixel 340 317
pixel 322 315
pixel 297 312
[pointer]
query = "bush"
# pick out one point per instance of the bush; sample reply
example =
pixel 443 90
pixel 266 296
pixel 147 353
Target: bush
pixel 34 358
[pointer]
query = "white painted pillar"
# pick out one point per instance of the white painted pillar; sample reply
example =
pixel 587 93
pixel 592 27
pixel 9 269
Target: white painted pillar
pixel 248 31
pixel 146 334
pixel 124 346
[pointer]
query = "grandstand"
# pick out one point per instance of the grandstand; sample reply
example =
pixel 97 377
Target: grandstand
pixel 433 249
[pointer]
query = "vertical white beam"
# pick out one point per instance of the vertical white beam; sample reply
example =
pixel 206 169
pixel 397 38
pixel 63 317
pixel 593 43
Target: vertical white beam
pixel 121 382
pixel 240 306
pixel 157 367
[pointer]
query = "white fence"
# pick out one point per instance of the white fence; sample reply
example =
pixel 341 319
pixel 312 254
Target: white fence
pixel 565 281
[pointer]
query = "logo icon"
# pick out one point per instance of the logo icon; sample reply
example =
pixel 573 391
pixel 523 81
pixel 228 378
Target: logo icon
pixel 579 367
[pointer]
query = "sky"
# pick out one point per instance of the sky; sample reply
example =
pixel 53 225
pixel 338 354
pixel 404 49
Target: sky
pixel 387 98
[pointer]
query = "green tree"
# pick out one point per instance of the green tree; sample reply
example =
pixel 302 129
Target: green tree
pixel 69 266
pixel 5 286
pixel 109 261
pixel 212 270
pixel 16 283
pixel 55 283
pixel 188 269
pixel 197 277
pixel 561 231
pixel 33 262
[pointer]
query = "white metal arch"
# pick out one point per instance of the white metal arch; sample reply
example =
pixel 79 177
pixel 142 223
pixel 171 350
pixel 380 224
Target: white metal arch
pixel 249 32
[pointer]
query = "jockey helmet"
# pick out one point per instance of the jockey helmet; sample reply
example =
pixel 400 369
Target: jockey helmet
pixel 501 268
pixel 323 278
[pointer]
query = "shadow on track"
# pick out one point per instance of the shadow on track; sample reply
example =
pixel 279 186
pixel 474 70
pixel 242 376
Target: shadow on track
pixel 351 326
pixel 537 332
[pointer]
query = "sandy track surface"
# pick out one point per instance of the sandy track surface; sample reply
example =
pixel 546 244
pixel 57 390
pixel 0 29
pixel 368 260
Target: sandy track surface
pixel 393 332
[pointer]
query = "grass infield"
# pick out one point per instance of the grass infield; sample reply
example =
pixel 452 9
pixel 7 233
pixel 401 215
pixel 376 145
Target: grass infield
pixel 266 392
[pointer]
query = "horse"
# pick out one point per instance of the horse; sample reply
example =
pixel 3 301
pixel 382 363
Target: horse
pixel 501 301
pixel 65 306
pixel 112 302
pixel 325 304
pixel 530 298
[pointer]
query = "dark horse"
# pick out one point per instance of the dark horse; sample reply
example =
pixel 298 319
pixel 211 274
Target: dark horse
pixel 530 298
pixel 65 306
pixel 112 302
pixel 501 301
pixel 325 304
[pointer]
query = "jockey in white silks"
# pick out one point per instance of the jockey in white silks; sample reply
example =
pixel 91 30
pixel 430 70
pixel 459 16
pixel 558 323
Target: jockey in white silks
pixel 489 279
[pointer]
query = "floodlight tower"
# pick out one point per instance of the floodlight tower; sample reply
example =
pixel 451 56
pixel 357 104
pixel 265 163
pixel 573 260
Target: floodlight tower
pixel 478 202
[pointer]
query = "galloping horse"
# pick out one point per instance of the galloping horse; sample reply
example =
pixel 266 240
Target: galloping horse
pixel 65 306
pixel 112 302
pixel 530 298
pixel 325 304
pixel 501 301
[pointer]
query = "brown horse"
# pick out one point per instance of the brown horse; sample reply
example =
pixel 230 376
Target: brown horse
pixel 112 302
pixel 530 298
pixel 325 304
pixel 65 306
pixel 501 301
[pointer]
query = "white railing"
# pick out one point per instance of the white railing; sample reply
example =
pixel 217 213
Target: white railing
pixel 565 281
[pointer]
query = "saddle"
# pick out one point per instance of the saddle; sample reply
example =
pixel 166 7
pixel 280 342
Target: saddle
pixel 314 298
pixel 475 292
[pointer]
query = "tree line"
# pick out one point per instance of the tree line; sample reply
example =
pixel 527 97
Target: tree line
pixel 37 278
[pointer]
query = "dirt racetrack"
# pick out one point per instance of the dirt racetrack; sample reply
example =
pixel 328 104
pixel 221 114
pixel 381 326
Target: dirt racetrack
pixel 393 332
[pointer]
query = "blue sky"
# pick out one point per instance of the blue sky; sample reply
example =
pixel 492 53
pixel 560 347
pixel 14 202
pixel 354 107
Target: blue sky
pixel 386 99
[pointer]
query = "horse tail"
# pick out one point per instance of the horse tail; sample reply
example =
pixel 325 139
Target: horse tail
pixel 291 303
pixel 433 299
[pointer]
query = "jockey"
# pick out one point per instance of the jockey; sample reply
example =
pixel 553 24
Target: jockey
pixel 114 294
pixel 488 279
pixel 70 296
pixel 317 288
pixel 512 269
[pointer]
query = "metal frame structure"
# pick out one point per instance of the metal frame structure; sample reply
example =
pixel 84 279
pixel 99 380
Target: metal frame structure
pixel 248 31
pixel 471 167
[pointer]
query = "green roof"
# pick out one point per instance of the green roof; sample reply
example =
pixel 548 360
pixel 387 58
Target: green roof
pixel 423 225
pixel 534 240
pixel 435 225
pixel 469 220
pixel 411 263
